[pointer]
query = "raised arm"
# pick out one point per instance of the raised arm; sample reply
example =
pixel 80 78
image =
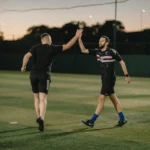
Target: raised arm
pixel 81 45
pixel 73 40
pixel 25 61
pixel 124 69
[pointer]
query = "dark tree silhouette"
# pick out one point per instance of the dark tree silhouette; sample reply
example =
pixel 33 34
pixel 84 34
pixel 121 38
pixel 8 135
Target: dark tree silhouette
pixel 1 36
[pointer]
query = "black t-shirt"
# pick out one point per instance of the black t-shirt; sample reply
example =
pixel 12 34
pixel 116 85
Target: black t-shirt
pixel 107 62
pixel 42 56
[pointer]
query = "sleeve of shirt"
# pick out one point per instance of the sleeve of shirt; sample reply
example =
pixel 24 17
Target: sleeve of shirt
pixel 32 50
pixel 56 49
pixel 92 52
pixel 117 57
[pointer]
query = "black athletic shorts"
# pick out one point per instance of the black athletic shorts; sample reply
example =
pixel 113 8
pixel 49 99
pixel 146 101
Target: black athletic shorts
pixel 40 82
pixel 107 88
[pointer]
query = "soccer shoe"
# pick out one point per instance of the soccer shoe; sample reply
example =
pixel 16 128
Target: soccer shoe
pixel 87 123
pixel 37 120
pixel 121 123
pixel 40 121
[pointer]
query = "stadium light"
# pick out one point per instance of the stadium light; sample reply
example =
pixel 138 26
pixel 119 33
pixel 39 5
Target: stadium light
pixel 90 16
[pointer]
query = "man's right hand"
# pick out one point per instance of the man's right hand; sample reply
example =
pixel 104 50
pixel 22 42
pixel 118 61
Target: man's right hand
pixel 127 79
pixel 23 69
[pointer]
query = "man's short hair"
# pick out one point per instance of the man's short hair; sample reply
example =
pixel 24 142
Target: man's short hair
pixel 43 35
pixel 106 37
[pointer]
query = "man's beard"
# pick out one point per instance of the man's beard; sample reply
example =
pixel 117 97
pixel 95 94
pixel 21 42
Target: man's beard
pixel 102 46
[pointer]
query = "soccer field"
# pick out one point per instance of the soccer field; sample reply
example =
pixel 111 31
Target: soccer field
pixel 72 98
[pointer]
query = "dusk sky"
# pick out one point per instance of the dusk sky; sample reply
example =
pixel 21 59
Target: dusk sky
pixel 17 23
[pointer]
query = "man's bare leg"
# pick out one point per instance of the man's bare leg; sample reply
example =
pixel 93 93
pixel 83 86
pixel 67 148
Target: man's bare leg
pixel 45 106
pixel 98 110
pixel 36 104
pixel 43 103
pixel 100 105
pixel 42 106
pixel 116 102
pixel 118 108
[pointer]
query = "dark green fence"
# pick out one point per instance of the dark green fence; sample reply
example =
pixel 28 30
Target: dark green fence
pixel 68 63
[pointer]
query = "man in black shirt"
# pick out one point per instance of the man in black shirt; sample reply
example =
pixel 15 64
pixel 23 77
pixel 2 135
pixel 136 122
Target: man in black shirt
pixel 42 56
pixel 107 57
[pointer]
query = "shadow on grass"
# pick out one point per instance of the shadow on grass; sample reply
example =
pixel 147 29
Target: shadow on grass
pixel 61 124
pixel 74 131
pixel 15 132
pixel 51 133
pixel 46 134
pixel 17 129
pixel 56 134
pixel 105 128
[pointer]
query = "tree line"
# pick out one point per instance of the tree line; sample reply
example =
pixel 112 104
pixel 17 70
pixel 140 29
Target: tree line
pixel 127 42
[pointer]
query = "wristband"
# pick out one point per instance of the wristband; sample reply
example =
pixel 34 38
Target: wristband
pixel 126 75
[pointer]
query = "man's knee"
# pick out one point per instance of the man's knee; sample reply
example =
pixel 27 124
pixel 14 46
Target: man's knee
pixel 114 98
pixel 36 96
pixel 101 98
pixel 42 96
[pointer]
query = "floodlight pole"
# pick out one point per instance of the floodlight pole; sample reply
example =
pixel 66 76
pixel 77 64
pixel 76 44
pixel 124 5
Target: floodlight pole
pixel 114 26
